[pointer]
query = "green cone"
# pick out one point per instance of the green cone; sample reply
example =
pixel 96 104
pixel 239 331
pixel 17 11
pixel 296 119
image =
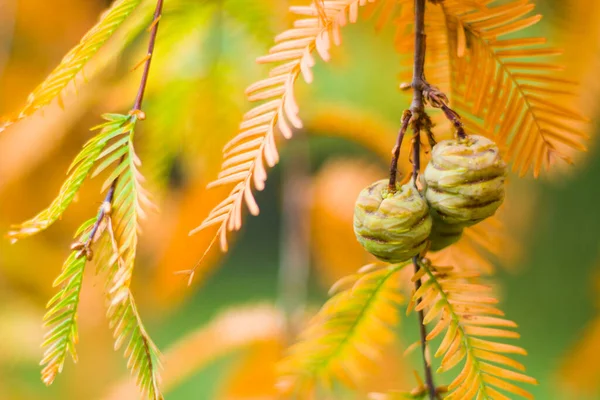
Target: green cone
pixel 392 227
pixel 464 181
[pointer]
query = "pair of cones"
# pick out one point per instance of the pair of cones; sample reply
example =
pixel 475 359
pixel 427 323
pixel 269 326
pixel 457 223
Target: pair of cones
pixel 463 184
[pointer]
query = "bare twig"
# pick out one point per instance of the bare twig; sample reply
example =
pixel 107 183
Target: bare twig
pixel 137 107
pixel 455 119
pixel 396 151
pixel 423 335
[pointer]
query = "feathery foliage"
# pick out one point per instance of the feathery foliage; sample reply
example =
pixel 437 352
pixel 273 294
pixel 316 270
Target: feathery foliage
pixel 511 84
pixel 464 309
pixel 76 59
pixel 78 171
pixel 143 357
pixel 244 154
pixel 112 147
pixel 123 227
pixel 61 316
pixel 127 207
pixel 343 339
pixel 504 86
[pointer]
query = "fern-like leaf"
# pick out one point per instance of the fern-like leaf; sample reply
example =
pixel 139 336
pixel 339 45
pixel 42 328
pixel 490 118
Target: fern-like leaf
pixel 78 172
pixel 127 211
pixel 504 86
pixel 255 143
pixel 142 354
pixel 123 227
pixel 61 316
pixel 457 304
pixel 76 59
pixel 510 87
pixel 344 338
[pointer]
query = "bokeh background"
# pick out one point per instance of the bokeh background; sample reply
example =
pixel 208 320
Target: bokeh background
pixel 221 336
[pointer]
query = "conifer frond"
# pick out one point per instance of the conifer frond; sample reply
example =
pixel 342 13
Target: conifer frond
pixel 255 143
pixel 76 59
pixel 236 329
pixel 78 172
pixel 457 304
pixel 510 87
pixel 123 227
pixel 61 316
pixel 143 357
pixel 128 204
pixel 344 338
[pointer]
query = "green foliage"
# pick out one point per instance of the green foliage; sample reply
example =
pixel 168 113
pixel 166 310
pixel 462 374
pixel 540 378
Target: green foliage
pixel 123 226
pixel 78 172
pixel 112 149
pixel 77 58
pixel 129 198
pixel 141 353
pixel 343 339
pixel 61 316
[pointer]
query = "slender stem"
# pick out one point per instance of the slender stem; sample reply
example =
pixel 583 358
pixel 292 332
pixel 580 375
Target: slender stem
pixel 104 210
pixel 455 119
pixel 416 157
pixel 396 151
pixel 418 110
pixel 153 33
pixel 423 334
pixel 136 111
pixel 418 81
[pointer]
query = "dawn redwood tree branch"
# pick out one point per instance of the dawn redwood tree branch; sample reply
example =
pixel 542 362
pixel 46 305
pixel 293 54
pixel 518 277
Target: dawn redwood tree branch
pixel 417 109
pixel 136 111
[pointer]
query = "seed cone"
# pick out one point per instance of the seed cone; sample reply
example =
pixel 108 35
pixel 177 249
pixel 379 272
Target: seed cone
pixel 464 181
pixel 392 226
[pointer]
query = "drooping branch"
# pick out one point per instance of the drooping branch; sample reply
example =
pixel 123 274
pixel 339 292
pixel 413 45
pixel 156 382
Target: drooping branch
pixel 136 111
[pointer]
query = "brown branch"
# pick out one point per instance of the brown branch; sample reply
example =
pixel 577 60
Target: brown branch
pixel 136 111
pixel 417 108
pixel 455 119
pixel 396 151
pixel 137 106
pixel 423 334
